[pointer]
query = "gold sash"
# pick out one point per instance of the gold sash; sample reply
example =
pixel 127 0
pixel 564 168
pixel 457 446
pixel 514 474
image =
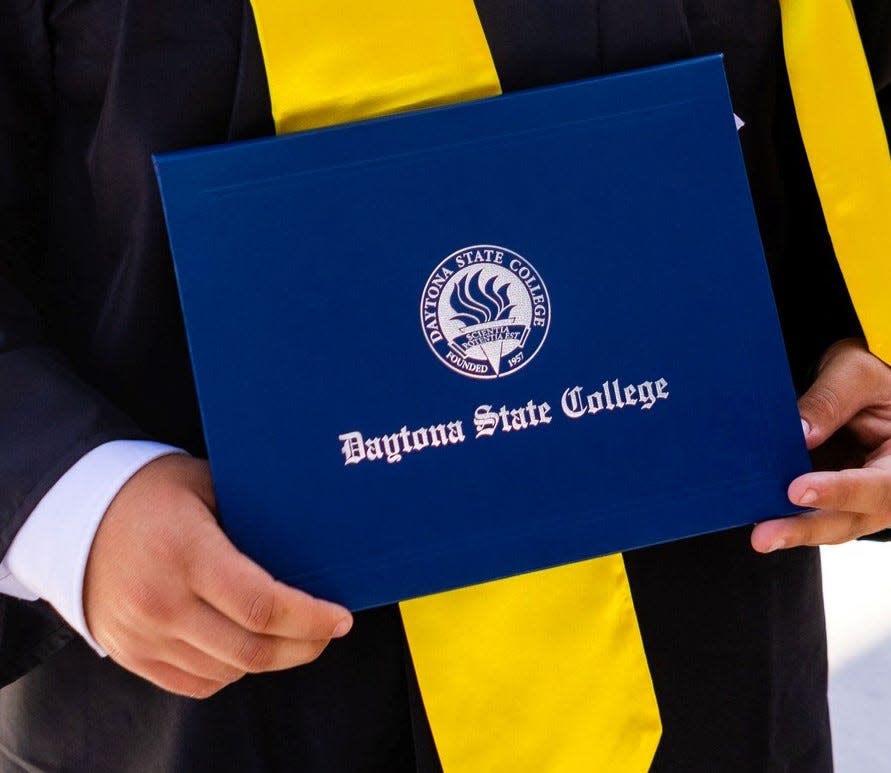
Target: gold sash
pixel 847 148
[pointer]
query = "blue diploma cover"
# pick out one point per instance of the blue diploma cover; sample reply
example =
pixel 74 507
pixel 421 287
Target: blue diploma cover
pixel 463 343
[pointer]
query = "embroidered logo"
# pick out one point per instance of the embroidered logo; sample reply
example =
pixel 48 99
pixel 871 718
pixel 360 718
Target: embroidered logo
pixel 485 311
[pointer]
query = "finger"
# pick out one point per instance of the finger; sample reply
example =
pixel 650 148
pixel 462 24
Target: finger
pixel 817 528
pixel 866 490
pixel 822 527
pixel 201 640
pixel 245 593
pixel 197 662
pixel 171 678
pixel 880 456
pixel 210 632
pixel 844 386
pixel 152 644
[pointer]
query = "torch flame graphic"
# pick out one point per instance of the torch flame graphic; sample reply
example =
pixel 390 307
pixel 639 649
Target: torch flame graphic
pixel 482 307
pixel 475 303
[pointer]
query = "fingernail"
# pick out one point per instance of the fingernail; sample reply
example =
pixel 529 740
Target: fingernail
pixel 342 629
pixel 808 497
pixel 805 427
pixel 778 545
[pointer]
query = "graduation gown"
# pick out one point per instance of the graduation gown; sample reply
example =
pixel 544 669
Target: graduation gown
pixel 92 349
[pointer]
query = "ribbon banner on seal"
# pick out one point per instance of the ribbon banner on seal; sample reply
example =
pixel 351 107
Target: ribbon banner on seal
pixel 511 672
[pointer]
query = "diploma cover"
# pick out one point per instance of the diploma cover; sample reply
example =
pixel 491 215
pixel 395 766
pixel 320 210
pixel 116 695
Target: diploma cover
pixel 473 341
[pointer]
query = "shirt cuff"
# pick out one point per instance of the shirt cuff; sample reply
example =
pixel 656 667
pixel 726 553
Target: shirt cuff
pixel 48 557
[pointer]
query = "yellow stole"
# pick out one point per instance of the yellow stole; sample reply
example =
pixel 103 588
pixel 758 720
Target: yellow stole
pixel 542 673
pixel 847 148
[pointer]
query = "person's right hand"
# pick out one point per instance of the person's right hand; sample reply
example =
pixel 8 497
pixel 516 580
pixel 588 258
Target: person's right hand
pixel 172 600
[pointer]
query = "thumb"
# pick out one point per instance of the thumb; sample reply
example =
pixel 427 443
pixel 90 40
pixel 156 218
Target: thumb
pixel 838 393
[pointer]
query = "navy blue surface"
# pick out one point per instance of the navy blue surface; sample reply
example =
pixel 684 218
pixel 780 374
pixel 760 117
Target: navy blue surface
pixel 301 262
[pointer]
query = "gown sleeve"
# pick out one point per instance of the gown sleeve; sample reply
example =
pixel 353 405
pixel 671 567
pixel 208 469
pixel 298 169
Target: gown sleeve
pixel 49 416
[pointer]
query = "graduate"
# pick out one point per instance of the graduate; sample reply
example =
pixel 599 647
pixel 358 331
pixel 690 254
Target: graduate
pixel 134 637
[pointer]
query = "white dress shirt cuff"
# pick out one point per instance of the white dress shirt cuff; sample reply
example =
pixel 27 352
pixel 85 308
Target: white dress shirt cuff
pixel 48 557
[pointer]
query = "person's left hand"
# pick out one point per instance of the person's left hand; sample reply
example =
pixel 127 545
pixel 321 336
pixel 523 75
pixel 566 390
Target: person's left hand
pixel 846 417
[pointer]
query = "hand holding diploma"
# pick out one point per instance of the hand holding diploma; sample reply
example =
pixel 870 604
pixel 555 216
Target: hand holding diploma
pixel 170 599
pixel 846 416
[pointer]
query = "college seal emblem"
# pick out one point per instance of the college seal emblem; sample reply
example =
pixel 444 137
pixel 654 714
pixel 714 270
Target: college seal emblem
pixel 485 311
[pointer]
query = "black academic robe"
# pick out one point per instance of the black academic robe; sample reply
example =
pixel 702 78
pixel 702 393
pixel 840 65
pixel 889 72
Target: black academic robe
pixel 92 349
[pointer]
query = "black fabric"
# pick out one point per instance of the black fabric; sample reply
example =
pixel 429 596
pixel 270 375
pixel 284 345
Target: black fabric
pixel 49 417
pixel 31 634
pixel 736 647
pixel 92 348
pixel 346 712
